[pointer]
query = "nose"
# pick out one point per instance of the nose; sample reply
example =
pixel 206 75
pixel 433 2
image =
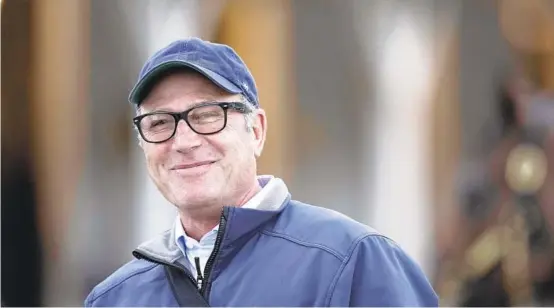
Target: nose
pixel 185 139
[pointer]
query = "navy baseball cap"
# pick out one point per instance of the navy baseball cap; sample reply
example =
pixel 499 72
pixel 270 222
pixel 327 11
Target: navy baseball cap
pixel 219 63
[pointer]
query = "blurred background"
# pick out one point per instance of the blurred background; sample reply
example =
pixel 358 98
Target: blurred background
pixel 430 120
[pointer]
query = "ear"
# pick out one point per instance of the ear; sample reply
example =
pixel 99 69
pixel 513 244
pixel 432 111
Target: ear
pixel 259 128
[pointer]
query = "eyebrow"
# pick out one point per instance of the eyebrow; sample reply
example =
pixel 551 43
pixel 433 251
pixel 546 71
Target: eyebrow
pixel 212 100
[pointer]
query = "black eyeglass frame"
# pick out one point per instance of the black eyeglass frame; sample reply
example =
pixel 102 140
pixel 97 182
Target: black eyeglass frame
pixel 237 106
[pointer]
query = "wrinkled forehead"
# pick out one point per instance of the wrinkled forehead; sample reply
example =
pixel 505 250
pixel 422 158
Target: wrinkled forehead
pixel 183 88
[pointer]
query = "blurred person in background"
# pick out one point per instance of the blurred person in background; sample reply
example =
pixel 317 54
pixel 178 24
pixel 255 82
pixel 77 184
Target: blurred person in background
pixel 239 238
pixel 504 251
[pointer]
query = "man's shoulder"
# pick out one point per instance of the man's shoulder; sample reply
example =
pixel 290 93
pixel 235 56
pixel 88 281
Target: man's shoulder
pixel 322 227
pixel 125 274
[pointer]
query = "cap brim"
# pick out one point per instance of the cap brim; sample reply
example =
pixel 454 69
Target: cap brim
pixel 145 84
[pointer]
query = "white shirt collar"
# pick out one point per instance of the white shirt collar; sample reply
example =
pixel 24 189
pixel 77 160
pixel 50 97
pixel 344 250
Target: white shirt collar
pixel 183 241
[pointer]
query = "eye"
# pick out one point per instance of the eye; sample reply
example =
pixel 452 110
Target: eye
pixel 158 122
pixel 206 114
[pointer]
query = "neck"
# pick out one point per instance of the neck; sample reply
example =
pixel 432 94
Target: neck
pixel 200 222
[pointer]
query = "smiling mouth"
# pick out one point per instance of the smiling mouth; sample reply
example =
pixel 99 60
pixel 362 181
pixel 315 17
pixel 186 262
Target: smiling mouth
pixel 193 165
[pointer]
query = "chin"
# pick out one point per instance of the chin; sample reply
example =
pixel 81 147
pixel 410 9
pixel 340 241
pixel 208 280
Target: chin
pixel 195 194
pixel 196 202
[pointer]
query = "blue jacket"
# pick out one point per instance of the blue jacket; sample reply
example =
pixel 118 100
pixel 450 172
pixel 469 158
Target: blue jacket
pixel 284 254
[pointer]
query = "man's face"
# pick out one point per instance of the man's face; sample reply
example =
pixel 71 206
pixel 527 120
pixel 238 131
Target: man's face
pixel 197 171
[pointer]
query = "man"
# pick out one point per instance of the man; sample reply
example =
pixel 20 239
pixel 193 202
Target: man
pixel 240 240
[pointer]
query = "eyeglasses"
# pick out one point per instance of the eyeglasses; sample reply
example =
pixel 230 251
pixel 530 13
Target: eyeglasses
pixel 203 119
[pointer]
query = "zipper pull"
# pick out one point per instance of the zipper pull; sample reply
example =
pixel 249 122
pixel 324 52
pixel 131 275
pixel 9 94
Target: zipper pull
pixel 199 278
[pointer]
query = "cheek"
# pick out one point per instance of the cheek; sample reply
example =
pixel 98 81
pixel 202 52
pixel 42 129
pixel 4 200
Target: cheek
pixel 234 146
pixel 155 159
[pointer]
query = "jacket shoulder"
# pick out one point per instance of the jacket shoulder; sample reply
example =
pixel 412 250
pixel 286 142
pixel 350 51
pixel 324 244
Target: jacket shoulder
pixel 127 273
pixel 326 228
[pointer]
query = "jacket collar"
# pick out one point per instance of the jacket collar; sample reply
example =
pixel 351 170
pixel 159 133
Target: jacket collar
pixel 242 220
pixel 239 222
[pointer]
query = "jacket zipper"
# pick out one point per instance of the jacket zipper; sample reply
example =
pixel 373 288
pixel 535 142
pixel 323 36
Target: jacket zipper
pixel 203 279
pixel 213 255
pixel 199 277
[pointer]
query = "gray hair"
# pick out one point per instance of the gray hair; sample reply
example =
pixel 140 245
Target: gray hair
pixel 250 115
